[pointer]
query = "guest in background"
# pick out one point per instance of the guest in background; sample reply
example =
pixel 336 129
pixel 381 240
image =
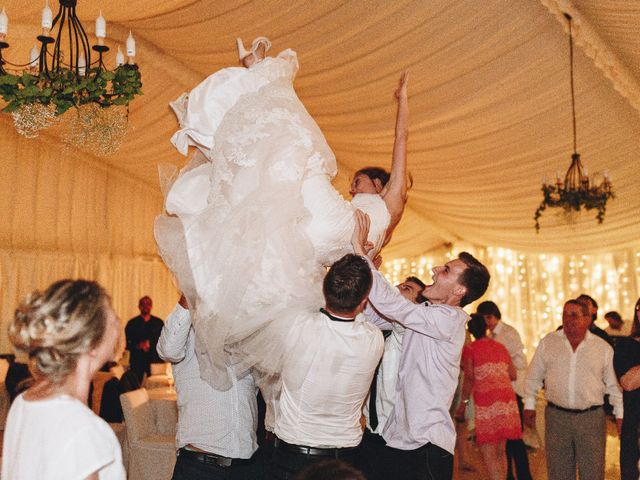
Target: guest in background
pixel 68 332
pixel 508 336
pixel 216 434
pixel 617 326
pixel 142 334
pixel 593 313
pixel 488 371
pixel 626 361
pixel 576 368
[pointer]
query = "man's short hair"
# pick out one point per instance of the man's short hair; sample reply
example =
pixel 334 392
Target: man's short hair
pixel 146 297
pixel 419 298
pixel 347 283
pixel 584 308
pixel 584 298
pixel 475 278
pixel 489 308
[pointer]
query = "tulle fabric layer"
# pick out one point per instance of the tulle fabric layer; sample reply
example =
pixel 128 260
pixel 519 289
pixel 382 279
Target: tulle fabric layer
pixel 234 233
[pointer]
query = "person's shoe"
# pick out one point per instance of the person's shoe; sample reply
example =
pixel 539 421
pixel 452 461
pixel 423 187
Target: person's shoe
pixel 259 48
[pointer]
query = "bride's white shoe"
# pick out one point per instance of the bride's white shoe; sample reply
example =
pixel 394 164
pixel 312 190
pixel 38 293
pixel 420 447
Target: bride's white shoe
pixel 256 54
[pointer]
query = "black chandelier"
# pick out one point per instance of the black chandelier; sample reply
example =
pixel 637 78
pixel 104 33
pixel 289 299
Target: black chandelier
pixel 577 191
pixel 67 72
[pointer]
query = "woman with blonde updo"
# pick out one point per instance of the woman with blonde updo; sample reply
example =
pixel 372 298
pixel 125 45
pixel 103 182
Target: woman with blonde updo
pixel 68 331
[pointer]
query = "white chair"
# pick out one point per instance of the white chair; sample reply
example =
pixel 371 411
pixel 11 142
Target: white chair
pixel 160 376
pixel 151 436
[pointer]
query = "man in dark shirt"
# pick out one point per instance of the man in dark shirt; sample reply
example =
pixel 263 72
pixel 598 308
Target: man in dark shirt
pixel 593 311
pixel 142 334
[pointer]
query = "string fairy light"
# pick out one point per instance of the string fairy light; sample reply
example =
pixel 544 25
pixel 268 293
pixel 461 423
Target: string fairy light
pixel 531 289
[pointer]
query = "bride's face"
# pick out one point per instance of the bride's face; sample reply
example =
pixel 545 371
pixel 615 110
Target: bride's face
pixel 362 184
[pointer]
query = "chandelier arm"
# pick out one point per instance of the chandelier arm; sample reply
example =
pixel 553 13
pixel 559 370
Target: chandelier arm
pixel 55 57
pixel 573 99
pixel 84 39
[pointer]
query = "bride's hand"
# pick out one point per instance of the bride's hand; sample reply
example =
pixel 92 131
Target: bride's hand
pixel 360 233
pixel 401 92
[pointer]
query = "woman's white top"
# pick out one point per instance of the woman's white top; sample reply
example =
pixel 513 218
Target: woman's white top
pixel 58 438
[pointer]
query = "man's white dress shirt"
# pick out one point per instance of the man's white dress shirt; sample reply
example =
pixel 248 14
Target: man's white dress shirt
pixel 510 338
pixel 428 371
pixel 326 375
pixel 576 380
pixel 223 423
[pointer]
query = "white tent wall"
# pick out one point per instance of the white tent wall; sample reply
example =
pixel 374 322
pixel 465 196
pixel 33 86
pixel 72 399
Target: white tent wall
pixel 64 214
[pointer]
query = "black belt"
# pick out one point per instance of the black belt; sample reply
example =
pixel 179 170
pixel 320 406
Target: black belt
pixel 313 451
pixel 212 459
pixel 573 410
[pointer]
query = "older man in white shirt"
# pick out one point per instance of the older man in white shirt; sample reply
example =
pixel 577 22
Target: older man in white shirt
pixel 509 337
pixel 576 368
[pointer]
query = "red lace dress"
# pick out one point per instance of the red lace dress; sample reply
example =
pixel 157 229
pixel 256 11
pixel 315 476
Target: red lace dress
pixel 496 410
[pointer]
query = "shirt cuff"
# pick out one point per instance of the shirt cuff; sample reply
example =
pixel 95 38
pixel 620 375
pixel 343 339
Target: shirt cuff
pixel 530 403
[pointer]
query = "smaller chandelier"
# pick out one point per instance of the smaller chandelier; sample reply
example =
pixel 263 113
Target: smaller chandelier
pixel 56 81
pixel 577 191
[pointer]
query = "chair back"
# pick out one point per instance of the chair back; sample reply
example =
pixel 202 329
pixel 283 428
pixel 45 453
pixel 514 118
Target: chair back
pixel 138 416
pixel 159 368
pixel 117 371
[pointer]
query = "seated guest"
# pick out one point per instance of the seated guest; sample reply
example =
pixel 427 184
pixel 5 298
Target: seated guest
pixel 68 332
pixel 328 366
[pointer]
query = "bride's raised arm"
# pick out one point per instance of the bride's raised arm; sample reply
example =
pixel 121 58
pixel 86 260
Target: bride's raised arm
pixel 394 192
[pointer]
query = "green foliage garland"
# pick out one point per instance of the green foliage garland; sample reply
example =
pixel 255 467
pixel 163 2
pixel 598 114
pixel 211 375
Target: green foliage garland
pixel 65 89
pixel 574 200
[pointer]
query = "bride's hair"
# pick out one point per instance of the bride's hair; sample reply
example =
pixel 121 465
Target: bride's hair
pixel 56 326
pixel 375 173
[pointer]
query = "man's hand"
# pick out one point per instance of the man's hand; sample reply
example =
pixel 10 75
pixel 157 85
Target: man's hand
pixel 377 261
pixel 144 345
pixel 401 92
pixel 619 425
pixel 183 302
pixel 360 233
pixel 460 412
pixel 529 418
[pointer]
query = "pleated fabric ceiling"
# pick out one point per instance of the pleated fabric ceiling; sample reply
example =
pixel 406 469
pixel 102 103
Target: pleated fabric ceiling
pixel 489 100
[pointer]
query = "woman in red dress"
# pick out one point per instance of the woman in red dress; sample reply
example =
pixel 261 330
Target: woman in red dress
pixel 488 372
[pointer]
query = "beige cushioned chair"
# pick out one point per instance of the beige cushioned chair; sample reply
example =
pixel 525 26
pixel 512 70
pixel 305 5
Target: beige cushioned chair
pixel 151 430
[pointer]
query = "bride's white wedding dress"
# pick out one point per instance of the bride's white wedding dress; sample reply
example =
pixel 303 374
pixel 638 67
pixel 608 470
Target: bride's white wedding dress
pixel 253 219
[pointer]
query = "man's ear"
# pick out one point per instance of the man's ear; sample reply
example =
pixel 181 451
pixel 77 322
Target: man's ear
pixel 377 183
pixel 459 290
pixel 361 306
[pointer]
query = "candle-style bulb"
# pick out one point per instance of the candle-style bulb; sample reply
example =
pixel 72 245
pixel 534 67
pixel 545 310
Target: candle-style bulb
pixel 82 65
pixel 131 45
pixel 101 26
pixel 34 56
pixel 119 57
pixel 47 16
pixel 4 22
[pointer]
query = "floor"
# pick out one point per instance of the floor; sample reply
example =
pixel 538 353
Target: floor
pixel 537 460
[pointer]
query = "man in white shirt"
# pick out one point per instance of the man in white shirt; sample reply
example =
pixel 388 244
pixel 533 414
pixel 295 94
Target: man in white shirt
pixel 330 357
pixel 420 433
pixel 382 395
pixel 576 367
pixel 216 435
pixel 510 338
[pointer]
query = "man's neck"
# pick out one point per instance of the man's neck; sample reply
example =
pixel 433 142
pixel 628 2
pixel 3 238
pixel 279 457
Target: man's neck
pixel 146 317
pixel 346 316
pixel 575 342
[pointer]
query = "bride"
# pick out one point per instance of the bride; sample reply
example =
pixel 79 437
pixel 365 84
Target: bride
pixel 253 218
